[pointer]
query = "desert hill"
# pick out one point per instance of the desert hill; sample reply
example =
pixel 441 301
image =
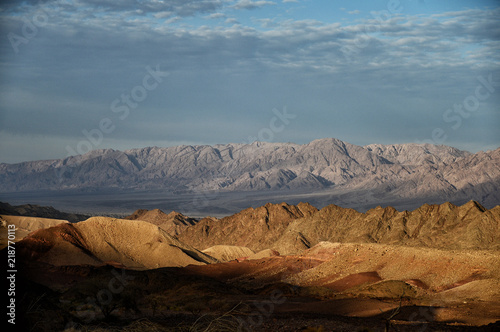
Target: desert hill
pixel 173 223
pixel 98 240
pixel 439 264
pixel 404 174
pixel 361 279
pixel 291 229
pixel 340 268
pixel 255 228
pixel 446 226
pixel 228 253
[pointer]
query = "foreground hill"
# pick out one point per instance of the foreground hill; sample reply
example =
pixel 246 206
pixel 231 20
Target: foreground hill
pixel 98 240
pixel 284 267
pixel 342 287
pixel 374 173
pixel 291 229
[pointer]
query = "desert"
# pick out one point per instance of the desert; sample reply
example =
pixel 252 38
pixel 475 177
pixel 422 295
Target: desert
pixel 250 165
pixel 277 267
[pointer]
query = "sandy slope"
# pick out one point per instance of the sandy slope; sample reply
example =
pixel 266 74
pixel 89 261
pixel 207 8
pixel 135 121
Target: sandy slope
pixel 360 279
pixel 431 270
pixel 134 244
pixel 228 253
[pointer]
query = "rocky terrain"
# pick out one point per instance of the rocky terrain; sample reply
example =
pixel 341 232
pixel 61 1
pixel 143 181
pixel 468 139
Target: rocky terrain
pixel 355 176
pixel 173 223
pixel 277 267
pixel 292 229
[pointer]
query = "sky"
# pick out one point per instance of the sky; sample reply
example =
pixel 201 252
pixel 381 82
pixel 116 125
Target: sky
pixel 80 75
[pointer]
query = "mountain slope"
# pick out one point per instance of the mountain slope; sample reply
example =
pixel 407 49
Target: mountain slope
pixel 173 223
pixel 256 228
pixel 330 166
pixel 447 226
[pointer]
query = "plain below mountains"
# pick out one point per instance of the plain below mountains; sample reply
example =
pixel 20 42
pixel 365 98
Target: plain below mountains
pixel 321 171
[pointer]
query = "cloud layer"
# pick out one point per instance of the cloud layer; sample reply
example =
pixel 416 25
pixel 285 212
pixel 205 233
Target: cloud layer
pixel 389 77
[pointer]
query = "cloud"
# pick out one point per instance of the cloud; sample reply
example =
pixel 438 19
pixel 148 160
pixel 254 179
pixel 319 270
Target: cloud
pixel 249 4
pixel 290 1
pixel 216 16
pixel 231 20
pixel 181 8
pixel 354 12
pixel 373 79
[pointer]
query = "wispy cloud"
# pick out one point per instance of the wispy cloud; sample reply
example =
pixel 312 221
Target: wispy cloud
pixel 397 80
pixel 249 4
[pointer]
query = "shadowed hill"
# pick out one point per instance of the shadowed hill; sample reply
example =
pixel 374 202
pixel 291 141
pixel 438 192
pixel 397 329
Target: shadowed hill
pixel 31 210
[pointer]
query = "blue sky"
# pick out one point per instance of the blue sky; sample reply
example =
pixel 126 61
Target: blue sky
pixel 86 74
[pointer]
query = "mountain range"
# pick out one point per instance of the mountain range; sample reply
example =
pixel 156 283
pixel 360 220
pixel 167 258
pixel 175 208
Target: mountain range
pixel 340 172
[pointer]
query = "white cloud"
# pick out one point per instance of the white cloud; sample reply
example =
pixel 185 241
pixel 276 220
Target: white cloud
pixel 405 67
pixel 216 16
pixel 249 4
pixel 231 20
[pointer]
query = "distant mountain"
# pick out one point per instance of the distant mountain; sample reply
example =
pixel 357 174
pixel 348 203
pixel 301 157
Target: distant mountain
pixel 291 229
pixel 372 173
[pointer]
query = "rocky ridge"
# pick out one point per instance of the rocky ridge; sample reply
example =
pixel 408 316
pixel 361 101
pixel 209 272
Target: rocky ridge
pixel 291 229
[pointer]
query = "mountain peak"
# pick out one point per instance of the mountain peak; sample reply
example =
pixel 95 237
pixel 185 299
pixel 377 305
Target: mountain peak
pixel 473 205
